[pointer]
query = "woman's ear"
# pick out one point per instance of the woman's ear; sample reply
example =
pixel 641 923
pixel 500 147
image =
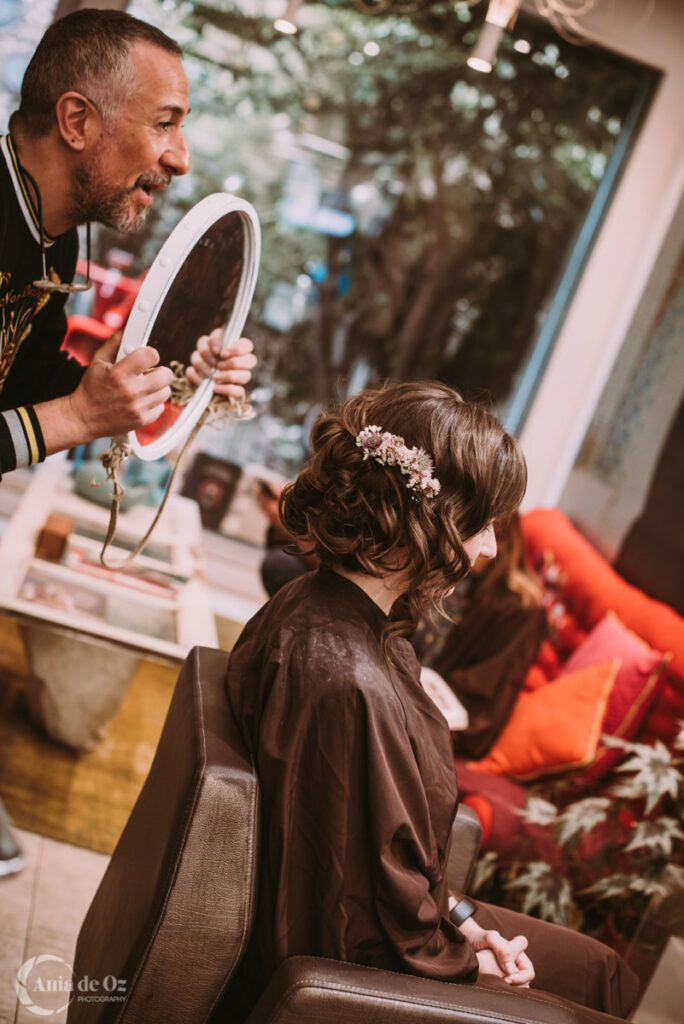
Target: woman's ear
pixel 78 121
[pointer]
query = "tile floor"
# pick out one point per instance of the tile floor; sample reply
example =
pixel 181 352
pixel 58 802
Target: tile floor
pixel 41 910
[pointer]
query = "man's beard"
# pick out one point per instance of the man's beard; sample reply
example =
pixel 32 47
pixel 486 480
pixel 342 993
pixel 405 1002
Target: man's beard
pixel 94 199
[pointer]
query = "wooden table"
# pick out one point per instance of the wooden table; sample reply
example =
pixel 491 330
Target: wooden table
pixel 86 628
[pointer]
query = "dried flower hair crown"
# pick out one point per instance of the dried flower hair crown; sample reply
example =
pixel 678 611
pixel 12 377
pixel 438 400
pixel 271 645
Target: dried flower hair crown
pixel 391 450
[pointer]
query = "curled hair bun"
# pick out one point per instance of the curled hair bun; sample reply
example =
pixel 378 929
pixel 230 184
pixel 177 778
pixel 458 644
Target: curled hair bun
pixel 345 510
pixel 359 515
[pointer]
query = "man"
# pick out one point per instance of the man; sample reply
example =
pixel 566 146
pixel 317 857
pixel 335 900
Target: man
pixel 98 132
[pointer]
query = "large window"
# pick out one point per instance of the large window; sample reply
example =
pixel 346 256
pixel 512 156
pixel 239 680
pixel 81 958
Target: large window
pixel 420 219
pixel 22 23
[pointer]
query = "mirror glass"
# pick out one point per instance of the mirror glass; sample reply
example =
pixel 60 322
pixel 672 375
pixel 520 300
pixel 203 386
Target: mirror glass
pixel 201 297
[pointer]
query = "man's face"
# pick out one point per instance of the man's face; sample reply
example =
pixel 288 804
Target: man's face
pixel 141 151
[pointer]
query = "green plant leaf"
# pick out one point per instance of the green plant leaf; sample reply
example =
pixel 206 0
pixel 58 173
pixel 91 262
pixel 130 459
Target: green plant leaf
pixel 485 867
pixel 538 811
pixel 581 817
pixel 657 836
pixel 655 773
pixel 545 892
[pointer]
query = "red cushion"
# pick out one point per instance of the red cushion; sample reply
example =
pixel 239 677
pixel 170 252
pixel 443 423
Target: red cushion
pixel 668 709
pixel 498 798
pixel 548 660
pixel 536 678
pixel 638 681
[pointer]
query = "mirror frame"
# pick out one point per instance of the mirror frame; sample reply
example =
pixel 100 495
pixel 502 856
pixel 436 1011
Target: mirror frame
pixel 156 285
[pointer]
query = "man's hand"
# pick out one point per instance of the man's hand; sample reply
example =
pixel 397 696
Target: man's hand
pixel 231 366
pixel 505 958
pixel 111 399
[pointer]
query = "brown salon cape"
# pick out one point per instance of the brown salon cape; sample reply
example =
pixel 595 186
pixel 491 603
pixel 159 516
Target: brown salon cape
pixel 358 797
pixel 358 789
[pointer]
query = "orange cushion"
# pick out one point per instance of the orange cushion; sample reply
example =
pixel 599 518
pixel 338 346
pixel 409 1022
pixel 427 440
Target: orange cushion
pixel 554 729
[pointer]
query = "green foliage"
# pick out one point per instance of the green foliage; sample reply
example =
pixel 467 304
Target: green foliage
pixel 478 183
pixel 600 862
pixel 543 892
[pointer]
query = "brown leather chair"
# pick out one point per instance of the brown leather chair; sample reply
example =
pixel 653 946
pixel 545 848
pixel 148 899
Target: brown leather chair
pixel 171 918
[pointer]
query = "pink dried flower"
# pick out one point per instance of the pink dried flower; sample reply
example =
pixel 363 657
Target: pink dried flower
pixel 391 450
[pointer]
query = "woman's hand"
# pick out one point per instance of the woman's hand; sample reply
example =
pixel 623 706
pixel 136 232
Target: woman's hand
pixel 505 958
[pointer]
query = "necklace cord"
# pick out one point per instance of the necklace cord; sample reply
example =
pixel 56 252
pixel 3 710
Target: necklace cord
pixel 45 283
pixel 111 460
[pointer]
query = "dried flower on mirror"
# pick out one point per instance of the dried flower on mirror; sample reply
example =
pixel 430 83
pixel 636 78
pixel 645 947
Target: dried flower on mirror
pixel 221 409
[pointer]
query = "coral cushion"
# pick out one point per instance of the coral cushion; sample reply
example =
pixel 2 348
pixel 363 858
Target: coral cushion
pixel 638 681
pixel 554 729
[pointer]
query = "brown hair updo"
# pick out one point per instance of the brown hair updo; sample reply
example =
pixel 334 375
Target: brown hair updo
pixel 359 514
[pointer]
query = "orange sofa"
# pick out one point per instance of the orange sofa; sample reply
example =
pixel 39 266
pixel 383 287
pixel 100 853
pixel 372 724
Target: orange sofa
pixel 613 663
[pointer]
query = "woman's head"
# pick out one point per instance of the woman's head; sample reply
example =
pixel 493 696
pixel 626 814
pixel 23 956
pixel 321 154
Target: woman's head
pixel 359 514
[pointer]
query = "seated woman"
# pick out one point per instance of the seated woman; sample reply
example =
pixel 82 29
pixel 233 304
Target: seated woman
pixel 354 760
pixel 499 627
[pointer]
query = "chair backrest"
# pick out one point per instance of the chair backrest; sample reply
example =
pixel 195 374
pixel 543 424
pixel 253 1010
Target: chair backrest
pixel 171 918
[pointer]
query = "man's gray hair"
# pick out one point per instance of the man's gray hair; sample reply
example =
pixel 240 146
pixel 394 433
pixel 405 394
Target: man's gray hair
pixel 85 52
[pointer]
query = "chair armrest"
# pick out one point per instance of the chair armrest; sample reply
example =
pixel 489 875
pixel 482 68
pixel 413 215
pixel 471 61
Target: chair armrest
pixel 311 990
pixel 466 836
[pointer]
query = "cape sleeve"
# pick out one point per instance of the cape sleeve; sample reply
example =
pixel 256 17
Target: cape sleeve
pixel 409 852
pixel 355 856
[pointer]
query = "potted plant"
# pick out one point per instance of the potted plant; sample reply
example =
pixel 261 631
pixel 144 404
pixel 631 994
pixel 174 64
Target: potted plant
pixel 595 864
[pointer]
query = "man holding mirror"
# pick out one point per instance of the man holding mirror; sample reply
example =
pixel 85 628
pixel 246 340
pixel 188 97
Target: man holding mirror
pixel 99 130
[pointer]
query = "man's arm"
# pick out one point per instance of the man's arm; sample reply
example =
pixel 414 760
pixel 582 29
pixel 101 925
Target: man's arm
pixel 111 399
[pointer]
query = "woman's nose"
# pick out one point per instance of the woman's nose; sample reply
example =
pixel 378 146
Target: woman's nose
pixel 488 549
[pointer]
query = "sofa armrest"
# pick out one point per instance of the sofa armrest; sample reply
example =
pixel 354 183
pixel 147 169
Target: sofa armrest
pixel 311 990
pixel 466 837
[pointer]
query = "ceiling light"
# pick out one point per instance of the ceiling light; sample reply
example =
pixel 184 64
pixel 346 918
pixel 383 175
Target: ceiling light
pixel 287 23
pixel 501 15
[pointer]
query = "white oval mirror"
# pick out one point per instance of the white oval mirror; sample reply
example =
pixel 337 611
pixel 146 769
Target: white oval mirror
pixel 203 278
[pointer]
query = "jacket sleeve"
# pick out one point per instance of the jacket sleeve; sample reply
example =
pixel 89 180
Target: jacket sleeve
pixel 410 884
pixel 21 439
